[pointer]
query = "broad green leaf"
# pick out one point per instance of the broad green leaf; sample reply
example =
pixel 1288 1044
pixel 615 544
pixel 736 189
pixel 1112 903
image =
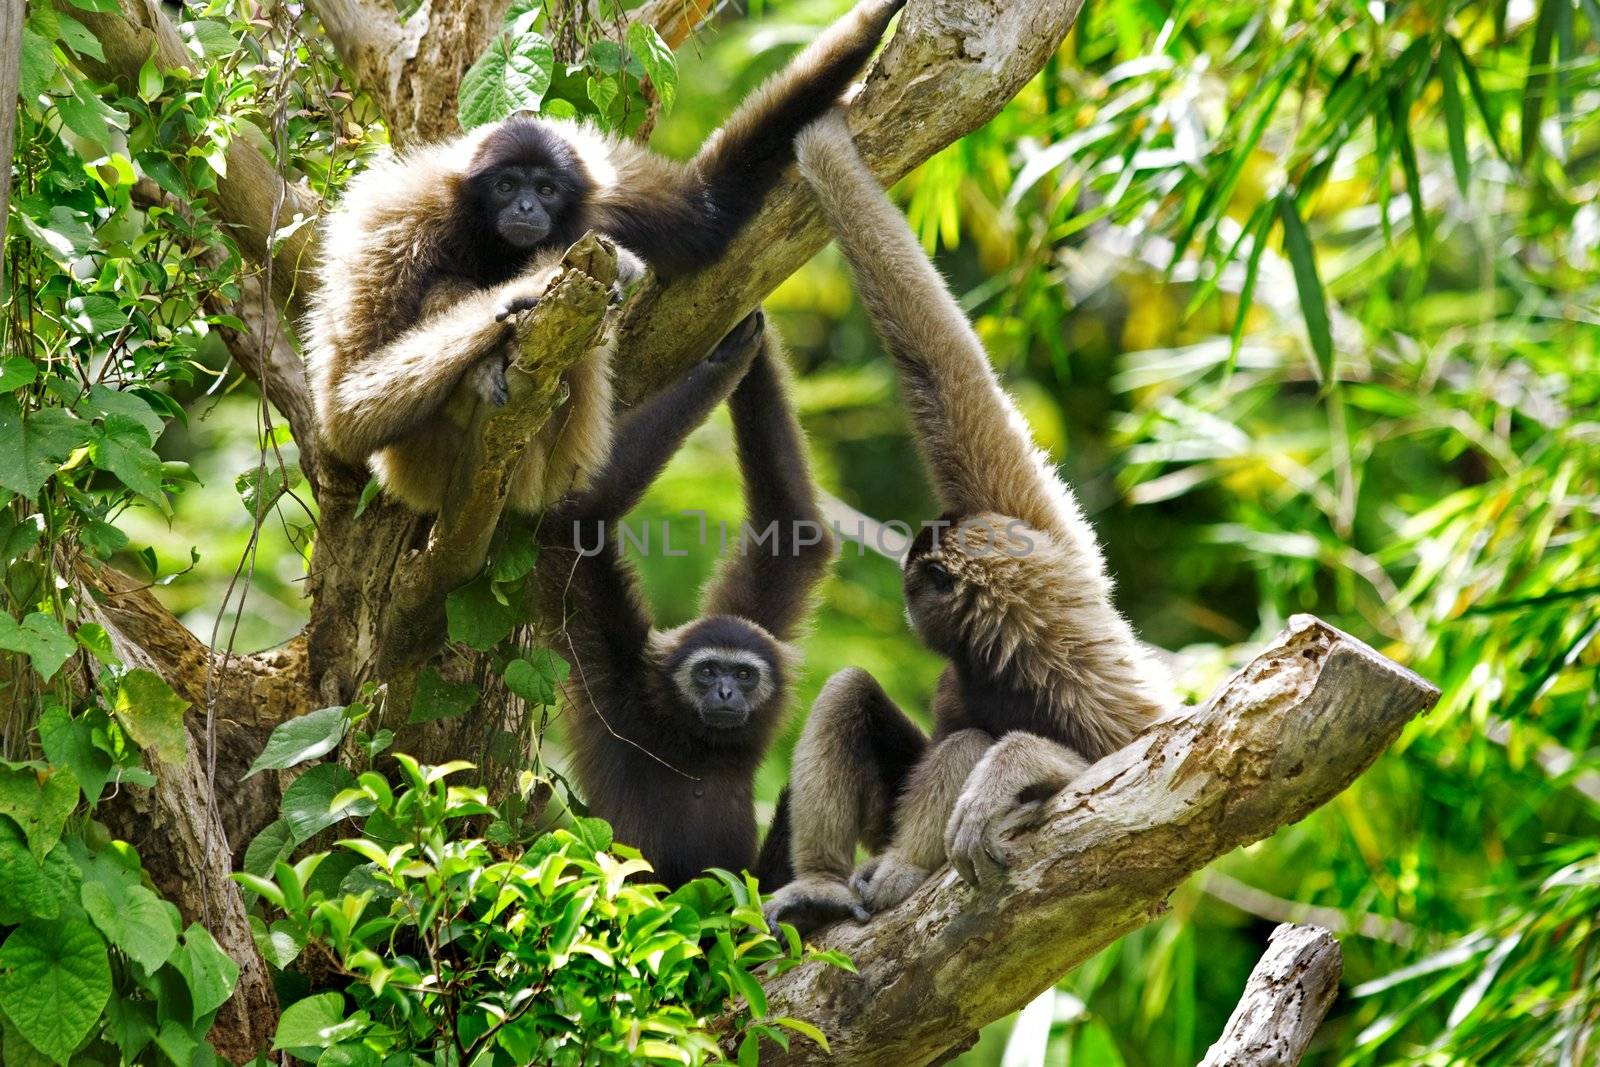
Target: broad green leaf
pixel 175 1040
pixel 279 944
pixel 261 488
pixel 54 982
pixel 308 802
pixel 130 1025
pixel 76 36
pixel 122 447
pixel 69 742
pixel 309 1023
pixel 39 802
pixel 209 38
pixel 39 637
pixel 94 314
pixel 102 539
pixel 31 449
pixel 133 919
pixel 537 679
pixel 153 715
pixel 102 402
pixel 209 972
pixel 15 1050
pixel 476 617
pixel 1313 301
pixel 93 638
pixel 308 737
pixel 27 889
pixel 513 75
pixel 437 698
pixel 92 119
pixel 657 60
pixel 17 371
pixel 38 66
pixel 275 842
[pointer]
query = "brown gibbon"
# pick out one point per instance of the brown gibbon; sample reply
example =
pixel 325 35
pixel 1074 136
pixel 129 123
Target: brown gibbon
pixel 432 257
pixel 669 726
pixel 1043 674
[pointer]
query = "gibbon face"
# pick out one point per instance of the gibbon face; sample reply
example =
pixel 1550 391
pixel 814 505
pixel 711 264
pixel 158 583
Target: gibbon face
pixel 964 575
pixel 528 187
pixel 727 675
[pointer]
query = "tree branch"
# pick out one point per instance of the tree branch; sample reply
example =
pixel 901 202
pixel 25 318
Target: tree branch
pixel 1281 737
pixel 567 324
pixel 1288 993
pixel 10 72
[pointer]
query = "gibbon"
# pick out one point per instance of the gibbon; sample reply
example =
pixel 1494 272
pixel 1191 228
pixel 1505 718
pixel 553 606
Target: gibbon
pixel 668 727
pixel 1044 675
pixel 432 257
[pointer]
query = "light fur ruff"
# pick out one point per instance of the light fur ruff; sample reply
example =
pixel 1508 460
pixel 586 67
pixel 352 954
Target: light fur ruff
pixel 1041 612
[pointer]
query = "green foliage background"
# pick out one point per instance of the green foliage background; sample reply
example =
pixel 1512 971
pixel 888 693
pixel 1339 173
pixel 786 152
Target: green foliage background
pixel 1303 298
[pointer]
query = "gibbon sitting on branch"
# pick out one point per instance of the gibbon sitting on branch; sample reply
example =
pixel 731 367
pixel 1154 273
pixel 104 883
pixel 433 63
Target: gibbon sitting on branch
pixel 432 258
pixel 1044 675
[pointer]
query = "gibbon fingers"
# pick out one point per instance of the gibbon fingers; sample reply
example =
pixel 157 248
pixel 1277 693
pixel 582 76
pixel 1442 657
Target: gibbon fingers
pixel 1044 675
pixel 668 727
pixel 432 257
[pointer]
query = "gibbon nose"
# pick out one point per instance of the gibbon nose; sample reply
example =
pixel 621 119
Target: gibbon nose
pixel 725 691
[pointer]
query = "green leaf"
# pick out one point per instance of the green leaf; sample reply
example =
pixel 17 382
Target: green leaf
pixel 69 742
pixel 538 679
pixel 657 59
pixel 40 638
pixel 309 737
pixel 273 843
pixel 476 617
pixel 308 1023
pixel 209 972
pixel 17 371
pixel 122 447
pixel 92 119
pixel 436 698
pixel 102 539
pixel 280 944
pixel 1313 301
pixel 1537 86
pixel 153 715
pixel 1455 119
pixel 76 36
pixel 102 402
pixel 15 1050
pixel 39 802
pixel 54 982
pixel 261 488
pixel 31 449
pixel 209 38
pixel 27 889
pixel 133 919
pixel 93 638
pixel 308 803
pixel 176 1041
pixel 38 67
pixel 130 1025
pixel 94 314
pixel 513 75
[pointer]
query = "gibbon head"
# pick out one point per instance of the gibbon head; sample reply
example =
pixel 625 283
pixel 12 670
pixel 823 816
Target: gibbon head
pixel 983 589
pixel 528 185
pixel 728 675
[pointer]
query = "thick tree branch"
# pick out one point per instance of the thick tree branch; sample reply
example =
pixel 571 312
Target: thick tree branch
pixel 1281 737
pixel 567 324
pixel 1288 993
pixel 10 72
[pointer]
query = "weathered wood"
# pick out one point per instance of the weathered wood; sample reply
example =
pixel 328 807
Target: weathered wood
pixel 1281 737
pixel 10 72
pixel 1290 990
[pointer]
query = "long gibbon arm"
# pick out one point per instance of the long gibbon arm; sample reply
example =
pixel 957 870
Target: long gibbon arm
pixel 686 224
pixel 394 390
pixel 769 580
pixel 972 437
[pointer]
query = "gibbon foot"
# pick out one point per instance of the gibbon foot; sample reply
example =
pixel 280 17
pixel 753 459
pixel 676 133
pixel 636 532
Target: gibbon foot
pixel 813 902
pixel 630 268
pixel 741 340
pixel 974 838
pixel 886 880
pixel 488 380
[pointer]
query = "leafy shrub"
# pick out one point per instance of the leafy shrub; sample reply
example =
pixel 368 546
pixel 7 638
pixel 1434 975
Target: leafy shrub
pixel 440 948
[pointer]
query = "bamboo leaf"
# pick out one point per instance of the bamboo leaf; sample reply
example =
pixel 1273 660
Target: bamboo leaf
pixel 1455 120
pixel 1313 300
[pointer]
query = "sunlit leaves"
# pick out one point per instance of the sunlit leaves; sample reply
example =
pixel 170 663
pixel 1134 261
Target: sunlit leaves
pixel 513 75
pixel 152 714
pixel 297 740
pixel 32 447
pixel 39 637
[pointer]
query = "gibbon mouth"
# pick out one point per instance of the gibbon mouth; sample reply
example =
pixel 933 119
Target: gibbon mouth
pixel 724 718
pixel 523 234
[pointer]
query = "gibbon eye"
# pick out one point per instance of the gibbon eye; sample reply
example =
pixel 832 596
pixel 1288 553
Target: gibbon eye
pixel 547 189
pixel 706 670
pixel 744 674
pixel 504 185
pixel 940 577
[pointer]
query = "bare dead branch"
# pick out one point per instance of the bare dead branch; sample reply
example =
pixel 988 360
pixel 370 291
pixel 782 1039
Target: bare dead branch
pixel 1281 737
pixel 1288 993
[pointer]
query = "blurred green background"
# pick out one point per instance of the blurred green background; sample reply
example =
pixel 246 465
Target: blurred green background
pixel 1425 475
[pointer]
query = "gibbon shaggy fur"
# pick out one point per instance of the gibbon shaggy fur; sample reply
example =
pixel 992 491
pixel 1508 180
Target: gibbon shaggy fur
pixel 1044 675
pixel 433 256
pixel 668 727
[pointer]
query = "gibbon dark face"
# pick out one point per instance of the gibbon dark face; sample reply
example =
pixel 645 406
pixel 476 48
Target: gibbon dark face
pixel 528 186
pixel 725 673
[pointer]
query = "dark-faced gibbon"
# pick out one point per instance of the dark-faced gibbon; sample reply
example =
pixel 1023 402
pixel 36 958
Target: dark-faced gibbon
pixel 1044 675
pixel 431 258
pixel 668 727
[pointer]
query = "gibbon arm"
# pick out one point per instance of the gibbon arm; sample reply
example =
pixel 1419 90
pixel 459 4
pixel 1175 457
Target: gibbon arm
pixel 1019 770
pixel 387 394
pixel 686 224
pixel 972 437
pixel 770 579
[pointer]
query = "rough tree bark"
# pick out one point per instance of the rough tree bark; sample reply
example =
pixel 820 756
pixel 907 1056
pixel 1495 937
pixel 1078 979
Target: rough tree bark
pixel 1290 990
pixel 1184 795
pixel 1281 737
pixel 10 70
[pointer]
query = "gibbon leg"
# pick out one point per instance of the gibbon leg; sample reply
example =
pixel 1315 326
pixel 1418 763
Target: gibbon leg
pixel 920 817
pixel 1014 778
pixel 854 755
